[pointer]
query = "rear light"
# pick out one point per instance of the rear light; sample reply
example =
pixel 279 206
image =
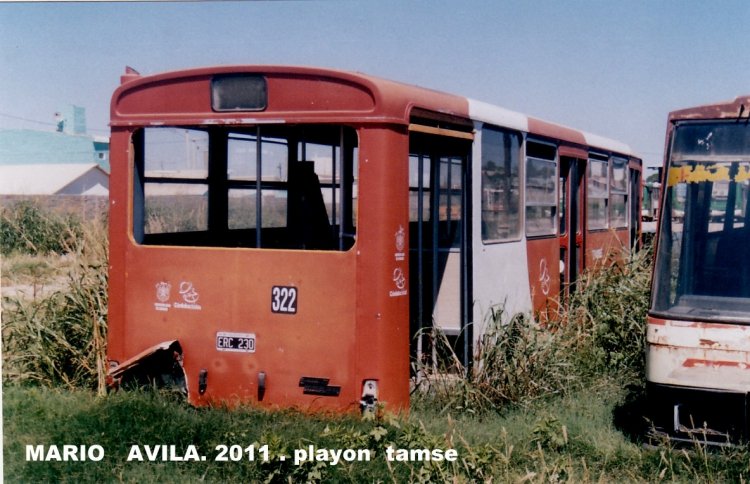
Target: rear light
pixel 369 396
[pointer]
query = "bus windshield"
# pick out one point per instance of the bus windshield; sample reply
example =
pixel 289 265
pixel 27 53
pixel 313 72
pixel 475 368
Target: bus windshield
pixel 702 267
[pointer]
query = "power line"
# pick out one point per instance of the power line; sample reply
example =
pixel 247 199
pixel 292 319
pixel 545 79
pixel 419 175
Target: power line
pixel 6 115
pixel 26 119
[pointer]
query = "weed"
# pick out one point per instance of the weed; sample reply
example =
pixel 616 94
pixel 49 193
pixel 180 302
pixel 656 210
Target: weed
pixel 549 433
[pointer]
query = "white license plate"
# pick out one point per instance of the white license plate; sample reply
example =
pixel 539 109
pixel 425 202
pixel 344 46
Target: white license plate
pixel 238 342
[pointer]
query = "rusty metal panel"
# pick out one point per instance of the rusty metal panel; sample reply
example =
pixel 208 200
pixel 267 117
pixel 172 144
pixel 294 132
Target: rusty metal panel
pixel 696 354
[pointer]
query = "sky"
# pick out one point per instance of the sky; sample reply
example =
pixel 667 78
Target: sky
pixel 614 68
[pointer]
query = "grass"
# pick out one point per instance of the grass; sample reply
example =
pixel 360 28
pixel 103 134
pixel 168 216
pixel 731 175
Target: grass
pixel 57 337
pixel 567 439
pixel 28 228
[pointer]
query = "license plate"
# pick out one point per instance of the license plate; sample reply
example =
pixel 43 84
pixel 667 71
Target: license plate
pixel 238 342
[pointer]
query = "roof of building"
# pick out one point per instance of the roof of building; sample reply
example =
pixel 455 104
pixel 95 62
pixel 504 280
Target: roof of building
pixel 47 179
pixel 25 146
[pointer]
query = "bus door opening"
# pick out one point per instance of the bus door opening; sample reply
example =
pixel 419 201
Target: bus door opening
pixel 571 223
pixel 438 234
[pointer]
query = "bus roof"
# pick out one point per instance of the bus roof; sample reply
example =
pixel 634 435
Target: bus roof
pixel 736 108
pixel 357 97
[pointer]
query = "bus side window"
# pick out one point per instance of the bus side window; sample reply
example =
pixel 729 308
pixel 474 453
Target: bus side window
pixel 501 194
pixel 597 193
pixel 618 199
pixel 541 189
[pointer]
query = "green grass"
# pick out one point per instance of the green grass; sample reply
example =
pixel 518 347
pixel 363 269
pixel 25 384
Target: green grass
pixel 566 439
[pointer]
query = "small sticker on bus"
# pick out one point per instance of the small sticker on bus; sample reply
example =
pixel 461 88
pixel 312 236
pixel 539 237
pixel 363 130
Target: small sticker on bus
pixel 237 342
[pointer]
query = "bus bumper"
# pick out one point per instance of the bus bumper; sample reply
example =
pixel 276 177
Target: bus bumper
pixel 704 415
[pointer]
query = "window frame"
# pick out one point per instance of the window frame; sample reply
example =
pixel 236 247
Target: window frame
pixel 597 158
pixel 519 230
pixel 339 176
pixel 554 197
pixel 613 191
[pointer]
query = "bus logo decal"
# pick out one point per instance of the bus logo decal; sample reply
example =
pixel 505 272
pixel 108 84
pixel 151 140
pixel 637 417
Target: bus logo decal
pixel 189 294
pixel 163 289
pixel 400 243
pixel 544 277
pixel 400 280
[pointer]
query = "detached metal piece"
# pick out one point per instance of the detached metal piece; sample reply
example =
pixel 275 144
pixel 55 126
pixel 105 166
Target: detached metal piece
pixel 160 366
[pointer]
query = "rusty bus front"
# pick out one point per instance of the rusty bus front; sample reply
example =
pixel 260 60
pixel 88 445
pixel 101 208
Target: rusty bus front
pixel 698 360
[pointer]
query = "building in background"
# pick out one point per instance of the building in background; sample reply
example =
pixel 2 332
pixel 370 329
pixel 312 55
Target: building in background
pixel 64 162
pixel 87 179
pixel 66 170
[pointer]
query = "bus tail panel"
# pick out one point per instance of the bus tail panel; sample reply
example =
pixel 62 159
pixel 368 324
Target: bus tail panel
pixel 697 374
pixel 252 331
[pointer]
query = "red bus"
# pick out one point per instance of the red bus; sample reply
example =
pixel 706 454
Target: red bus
pixel 698 359
pixel 281 234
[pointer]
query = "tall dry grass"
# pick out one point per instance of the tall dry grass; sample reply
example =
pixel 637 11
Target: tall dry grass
pixel 59 338
pixel 518 361
pixel 26 227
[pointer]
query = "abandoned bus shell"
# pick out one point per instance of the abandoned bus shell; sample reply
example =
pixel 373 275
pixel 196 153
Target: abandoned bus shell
pixel 698 336
pixel 281 234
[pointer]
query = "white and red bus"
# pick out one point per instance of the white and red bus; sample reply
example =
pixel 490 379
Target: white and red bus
pixel 698 359
pixel 281 234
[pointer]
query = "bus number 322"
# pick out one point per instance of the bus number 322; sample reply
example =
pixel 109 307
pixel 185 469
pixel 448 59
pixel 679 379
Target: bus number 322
pixel 284 299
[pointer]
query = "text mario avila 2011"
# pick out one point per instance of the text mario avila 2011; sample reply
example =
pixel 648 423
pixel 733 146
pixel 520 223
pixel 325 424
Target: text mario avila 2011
pixel 233 453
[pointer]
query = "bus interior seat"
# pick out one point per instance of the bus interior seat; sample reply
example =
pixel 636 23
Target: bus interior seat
pixel 309 227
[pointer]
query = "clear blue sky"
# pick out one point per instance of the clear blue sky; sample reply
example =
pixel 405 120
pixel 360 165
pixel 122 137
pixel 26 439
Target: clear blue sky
pixel 615 68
